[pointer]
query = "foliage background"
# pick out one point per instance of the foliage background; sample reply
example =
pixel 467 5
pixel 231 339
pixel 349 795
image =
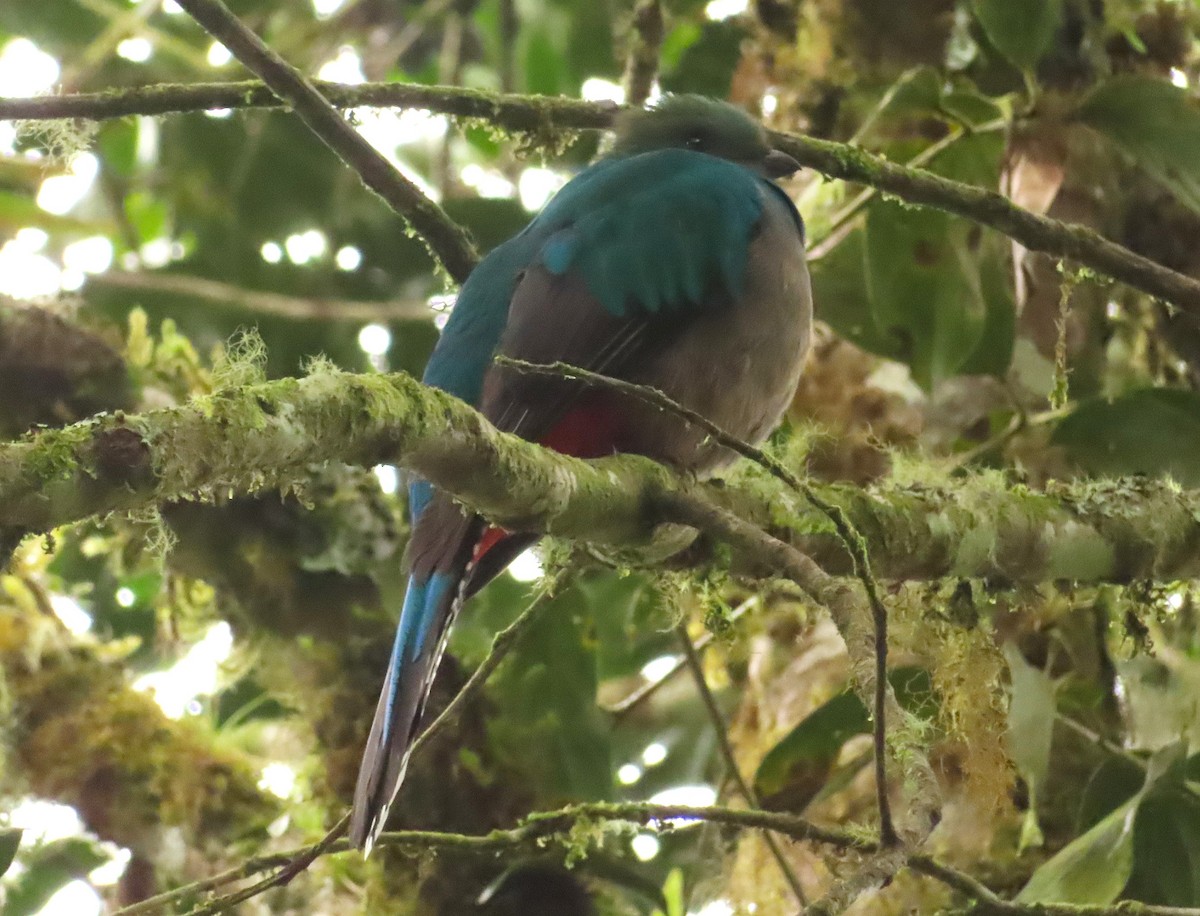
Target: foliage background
pixel 949 359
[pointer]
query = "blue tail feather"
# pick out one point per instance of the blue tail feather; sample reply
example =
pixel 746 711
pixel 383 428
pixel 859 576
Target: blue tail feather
pixel 428 606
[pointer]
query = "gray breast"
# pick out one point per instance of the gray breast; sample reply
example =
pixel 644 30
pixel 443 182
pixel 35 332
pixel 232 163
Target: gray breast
pixel 739 363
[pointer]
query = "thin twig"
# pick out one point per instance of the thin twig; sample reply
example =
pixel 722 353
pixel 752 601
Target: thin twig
pixel 692 660
pixel 632 700
pixel 841 222
pixel 446 240
pixel 842 602
pixel 281 878
pixel 990 208
pixel 297 308
pixel 854 542
pixel 539 828
pixel 502 644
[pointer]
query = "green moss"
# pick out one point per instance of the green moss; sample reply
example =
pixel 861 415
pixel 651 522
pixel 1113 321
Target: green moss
pixel 153 771
pixel 55 454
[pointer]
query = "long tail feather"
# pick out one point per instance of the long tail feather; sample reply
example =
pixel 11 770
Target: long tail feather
pixel 429 608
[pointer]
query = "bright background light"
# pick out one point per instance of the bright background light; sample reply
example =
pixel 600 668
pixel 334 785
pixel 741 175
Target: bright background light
pixel 177 689
pixel 25 69
pixel 375 339
pixel 526 567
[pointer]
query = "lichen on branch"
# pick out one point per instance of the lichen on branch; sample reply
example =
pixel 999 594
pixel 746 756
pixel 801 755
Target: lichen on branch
pixel 268 435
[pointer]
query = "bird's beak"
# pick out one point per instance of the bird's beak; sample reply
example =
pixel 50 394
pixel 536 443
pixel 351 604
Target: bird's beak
pixel 779 164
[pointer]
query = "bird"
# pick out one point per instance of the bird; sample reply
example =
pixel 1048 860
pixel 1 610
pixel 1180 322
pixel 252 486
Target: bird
pixel 673 261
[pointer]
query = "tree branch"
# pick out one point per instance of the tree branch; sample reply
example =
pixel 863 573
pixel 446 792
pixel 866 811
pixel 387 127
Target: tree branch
pixel 290 867
pixel 525 113
pixel 645 43
pixel 297 308
pixel 538 115
pixel 267 435
pixel 447 241
pixel 980 205
pixel 539 828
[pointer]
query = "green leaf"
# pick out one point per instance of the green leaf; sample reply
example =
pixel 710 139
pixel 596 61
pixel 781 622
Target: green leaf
pixel 922 288
pixel 1095 867
pixel 1021 30
pixel 1166 850
pixel 1156 123
pixel 544 66
pixel 706 65
pixel 631 626
pixel 1153 431
pixel 935 293
pixel 19 210
pixel 10 840
pixel 48 867
pixel 1114 782
pixel 673 893
pixel 117 145
pixel 925 91
pixel 550 725
pixel 1092 868
pixel 1031 713
pixel 796 768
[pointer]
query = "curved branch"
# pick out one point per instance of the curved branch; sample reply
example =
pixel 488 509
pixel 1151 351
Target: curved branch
pixel 447 241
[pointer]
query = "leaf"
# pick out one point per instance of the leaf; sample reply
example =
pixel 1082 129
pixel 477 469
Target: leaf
pixel 10 840
pixel 48 867
pixel 925 91
pixel 1092 868
pixel 1166 868
pixel 921 291
pixel 1095 867
pixel 673 893
pixel 548 721
pixel 1156 123
pixel 1031 713
pixel 1114 782
pixel 19 210
pixel 796 768
pixel 1153 431
pixel 706 66
pixel 631 627
pixel 935 293
pixel 1021 30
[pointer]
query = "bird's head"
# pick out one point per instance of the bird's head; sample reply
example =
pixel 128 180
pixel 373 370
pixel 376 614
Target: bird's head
pixel 704 125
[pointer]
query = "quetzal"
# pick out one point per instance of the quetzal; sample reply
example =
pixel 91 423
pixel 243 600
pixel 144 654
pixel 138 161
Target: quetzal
pixel 673 261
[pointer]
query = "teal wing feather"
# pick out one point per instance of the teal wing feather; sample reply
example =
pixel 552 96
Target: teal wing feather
pixel 657 231
pixel 649 233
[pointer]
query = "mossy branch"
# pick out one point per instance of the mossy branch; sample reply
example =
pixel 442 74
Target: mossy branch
pixel 546 116
pixel 267 435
